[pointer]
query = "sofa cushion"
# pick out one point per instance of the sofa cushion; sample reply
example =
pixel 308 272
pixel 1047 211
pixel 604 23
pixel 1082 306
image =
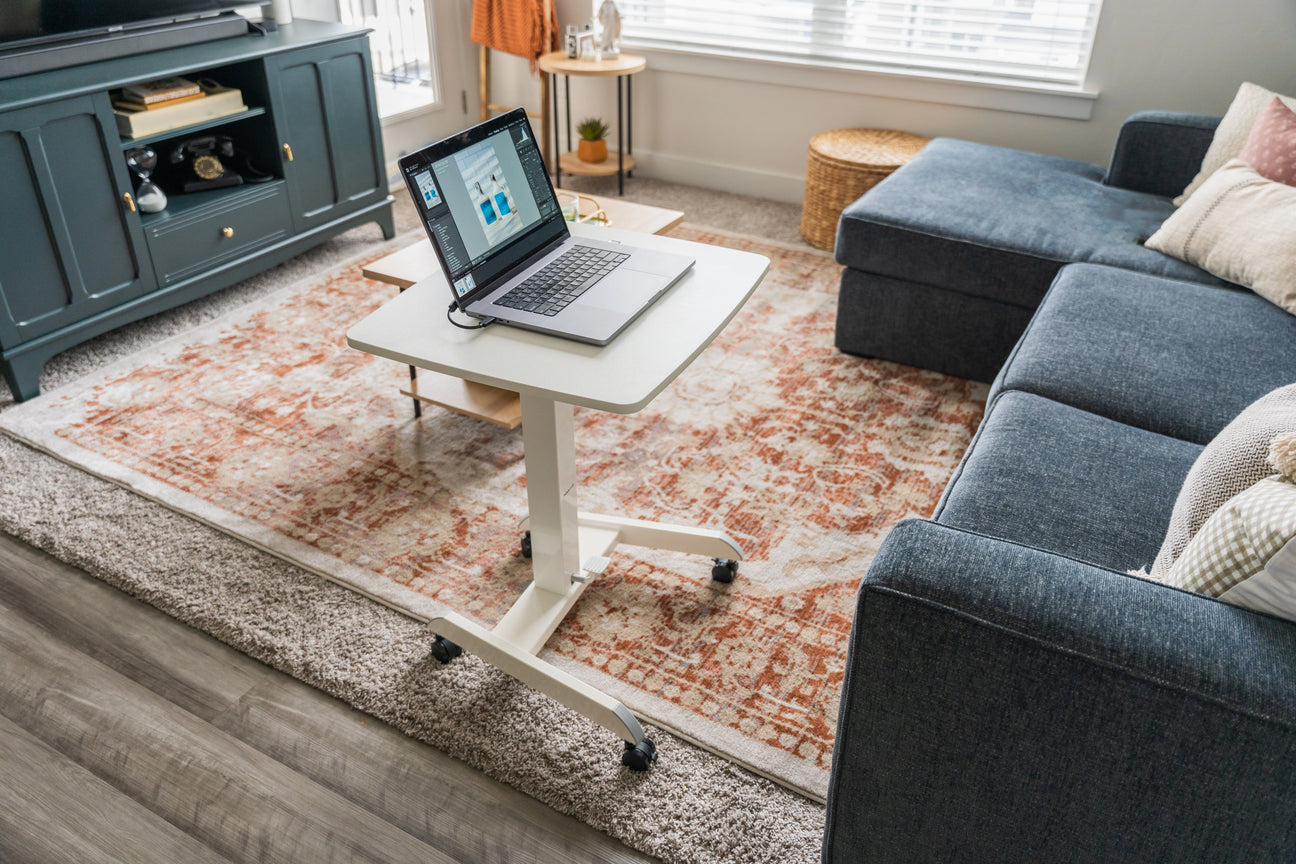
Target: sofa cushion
pixel 998 223
pixel 1060 479
pixel 1172 357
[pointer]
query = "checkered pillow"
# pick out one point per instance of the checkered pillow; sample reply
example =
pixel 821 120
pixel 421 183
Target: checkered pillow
pixel 1238 539
pixel 1234 461
pixel 1245 554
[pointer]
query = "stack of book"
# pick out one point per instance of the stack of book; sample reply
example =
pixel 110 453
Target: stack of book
pixel 152 107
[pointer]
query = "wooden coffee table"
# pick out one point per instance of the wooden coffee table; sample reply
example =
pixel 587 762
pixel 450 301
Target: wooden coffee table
pixel 482 401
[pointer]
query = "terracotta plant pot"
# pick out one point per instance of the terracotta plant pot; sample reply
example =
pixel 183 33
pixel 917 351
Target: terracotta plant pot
pixel 592 151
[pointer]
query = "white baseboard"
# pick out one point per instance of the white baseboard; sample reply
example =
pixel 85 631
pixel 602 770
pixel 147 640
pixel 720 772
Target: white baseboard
pixel 789 188
pixel 777 186
pixel 395 182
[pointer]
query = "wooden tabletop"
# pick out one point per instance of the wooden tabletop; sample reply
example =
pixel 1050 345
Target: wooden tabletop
pixel 557 62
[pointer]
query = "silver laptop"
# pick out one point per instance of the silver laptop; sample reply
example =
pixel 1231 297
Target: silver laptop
pixel 500 236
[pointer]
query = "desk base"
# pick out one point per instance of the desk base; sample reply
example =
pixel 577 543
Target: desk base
pixel 512 645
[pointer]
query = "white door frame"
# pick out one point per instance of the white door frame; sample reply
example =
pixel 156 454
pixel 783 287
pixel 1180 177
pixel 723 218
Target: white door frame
pixel 455 80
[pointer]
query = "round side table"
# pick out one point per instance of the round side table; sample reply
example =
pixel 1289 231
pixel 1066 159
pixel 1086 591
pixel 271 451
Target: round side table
pixel 843 164
pixel 558 63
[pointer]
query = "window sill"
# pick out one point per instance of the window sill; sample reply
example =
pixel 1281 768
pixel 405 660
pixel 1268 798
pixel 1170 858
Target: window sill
pixel 1071 103
pixel 412 113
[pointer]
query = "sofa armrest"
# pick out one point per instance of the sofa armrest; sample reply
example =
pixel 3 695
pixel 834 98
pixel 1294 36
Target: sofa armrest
pixel 1005 704
pixel 1160 151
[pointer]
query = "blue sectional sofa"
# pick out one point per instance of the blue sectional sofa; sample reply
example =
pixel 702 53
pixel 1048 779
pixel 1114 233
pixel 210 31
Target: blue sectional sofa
pixel 1012 695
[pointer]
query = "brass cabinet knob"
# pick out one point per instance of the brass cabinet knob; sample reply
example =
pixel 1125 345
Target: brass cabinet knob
pixel 130 201
pixel 228 232
pixel 287 148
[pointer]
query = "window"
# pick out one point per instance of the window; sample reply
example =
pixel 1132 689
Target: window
pixel 401 48
pixel 1041 42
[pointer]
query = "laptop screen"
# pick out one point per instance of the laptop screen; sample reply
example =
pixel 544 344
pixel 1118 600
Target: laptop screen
pixel 485 198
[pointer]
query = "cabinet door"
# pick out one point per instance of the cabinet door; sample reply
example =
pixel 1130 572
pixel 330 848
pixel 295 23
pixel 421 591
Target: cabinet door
pixel 69 244
pixel 327 119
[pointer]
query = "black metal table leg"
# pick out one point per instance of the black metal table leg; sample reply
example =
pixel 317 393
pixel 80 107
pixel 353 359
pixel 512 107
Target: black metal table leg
pixel 557 151
pixel 629 122
pixel 567 96
pixel 418 406
pixel 620 142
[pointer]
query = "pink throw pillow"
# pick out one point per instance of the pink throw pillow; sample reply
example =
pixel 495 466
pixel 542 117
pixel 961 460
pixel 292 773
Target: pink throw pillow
pixel 1271 147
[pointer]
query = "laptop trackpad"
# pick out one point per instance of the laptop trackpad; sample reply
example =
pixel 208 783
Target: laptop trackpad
pixel 623 291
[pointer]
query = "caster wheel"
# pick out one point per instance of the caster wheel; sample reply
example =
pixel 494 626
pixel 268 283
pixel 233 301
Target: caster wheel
pixel 639 757
pixel 723 569
pixel 526 545
pixel 444 650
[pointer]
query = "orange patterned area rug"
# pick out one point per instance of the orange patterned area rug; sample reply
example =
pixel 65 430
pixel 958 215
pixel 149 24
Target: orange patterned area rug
pixel 265 424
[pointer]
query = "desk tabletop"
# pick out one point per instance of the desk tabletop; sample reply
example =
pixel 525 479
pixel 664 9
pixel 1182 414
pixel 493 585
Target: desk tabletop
pixel 621 377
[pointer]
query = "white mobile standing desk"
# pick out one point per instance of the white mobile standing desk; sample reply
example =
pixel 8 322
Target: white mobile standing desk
pixel 569 547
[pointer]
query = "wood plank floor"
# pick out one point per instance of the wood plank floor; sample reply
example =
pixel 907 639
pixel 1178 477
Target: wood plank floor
pixel 128 736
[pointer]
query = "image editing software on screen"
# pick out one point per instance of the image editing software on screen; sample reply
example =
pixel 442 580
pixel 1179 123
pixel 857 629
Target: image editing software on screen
pixel 480 200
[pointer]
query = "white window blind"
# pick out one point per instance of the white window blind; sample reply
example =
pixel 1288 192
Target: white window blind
pixel 1035 41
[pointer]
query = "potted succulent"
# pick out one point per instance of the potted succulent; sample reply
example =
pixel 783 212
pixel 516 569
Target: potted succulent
pixel 593 143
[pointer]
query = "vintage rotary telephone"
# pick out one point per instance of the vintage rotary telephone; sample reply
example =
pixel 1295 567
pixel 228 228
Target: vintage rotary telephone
pixel 205 163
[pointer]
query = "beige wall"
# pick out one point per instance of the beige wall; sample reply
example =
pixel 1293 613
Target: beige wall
pixel 750 137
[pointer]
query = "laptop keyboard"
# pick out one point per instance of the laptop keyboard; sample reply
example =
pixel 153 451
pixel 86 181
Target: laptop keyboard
pixel 558 283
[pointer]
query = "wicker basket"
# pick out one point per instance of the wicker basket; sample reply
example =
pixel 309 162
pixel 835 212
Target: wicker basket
pixel 842 165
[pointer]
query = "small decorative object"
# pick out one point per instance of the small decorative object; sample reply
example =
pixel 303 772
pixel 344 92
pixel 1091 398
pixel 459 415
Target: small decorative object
pixel 609 20
pixel 570 206
pixel 586 44
pixel 279 11
pixel 203 162
pixel 148 195
pixel 573 49
pixel 582 208
pixel 593 143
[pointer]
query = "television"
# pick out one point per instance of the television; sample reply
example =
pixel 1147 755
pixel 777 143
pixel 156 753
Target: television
pixel 48 34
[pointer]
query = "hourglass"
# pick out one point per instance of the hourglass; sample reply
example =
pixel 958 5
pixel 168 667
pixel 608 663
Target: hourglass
pixel 148 195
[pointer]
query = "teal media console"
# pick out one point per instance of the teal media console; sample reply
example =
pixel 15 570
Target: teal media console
pixel 77 258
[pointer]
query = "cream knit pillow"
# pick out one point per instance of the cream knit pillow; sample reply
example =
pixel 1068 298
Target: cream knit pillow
pixel 1240 227
pixel 1235 460
pixel 1231 134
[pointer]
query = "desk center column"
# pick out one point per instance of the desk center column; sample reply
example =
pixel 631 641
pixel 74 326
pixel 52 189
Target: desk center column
pixel 549 439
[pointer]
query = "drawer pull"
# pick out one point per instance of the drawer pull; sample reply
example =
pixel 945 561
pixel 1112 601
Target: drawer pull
pixel 287 152
pixel 130 202
pixel 228 232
